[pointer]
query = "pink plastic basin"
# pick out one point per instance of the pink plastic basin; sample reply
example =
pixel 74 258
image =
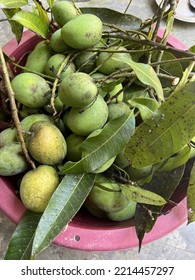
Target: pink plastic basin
pixel 86 232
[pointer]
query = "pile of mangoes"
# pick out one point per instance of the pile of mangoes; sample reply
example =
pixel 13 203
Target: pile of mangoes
pixel 82 110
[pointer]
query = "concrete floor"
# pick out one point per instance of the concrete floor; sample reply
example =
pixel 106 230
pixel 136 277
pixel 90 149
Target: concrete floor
pixel 178 245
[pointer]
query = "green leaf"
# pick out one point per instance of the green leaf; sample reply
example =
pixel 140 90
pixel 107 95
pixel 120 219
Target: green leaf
pixel 21 242
pixel 169 130
pixel 32 22
pixel 16 27
pixel 163 184
pixel 142 196
pixel 12 4
pixel 124 21
pixel 63 206
pixel 50 3
pixel 145 105
pixel 191 197
pixel 146 74
pixel 42 13
pixel 101 148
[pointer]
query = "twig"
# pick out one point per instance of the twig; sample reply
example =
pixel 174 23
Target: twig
pixel 14 108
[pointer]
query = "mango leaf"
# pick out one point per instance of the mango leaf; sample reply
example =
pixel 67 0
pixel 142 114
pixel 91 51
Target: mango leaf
pixel 12 4
pixel 163 184
pixel 50 3
pixel 16 27
pixel 141 195
pixel 146 74
pixel 63 206
pixel 145 105
pixel 191 197
pixel 42 13
pixel 32 22
pixel 125 21
pixel 101 148
pixel 21 242
pixel 170 128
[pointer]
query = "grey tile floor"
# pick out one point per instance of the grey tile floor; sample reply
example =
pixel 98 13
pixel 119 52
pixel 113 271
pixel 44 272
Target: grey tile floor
pixel 178 245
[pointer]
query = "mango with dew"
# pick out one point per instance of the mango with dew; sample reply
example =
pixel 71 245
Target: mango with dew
pixel 37 59
pixel 116 110
pixel 126 213
pixel 77 90
pixel 107 196
pixel 74 142
pixel 31 90
pixel 37 187
pixel 108 63
pixel 57 43
pixel 82 32
pixel 46 143
pixel 54 63
pixel 12 160
pixel 107 164
pixel 86 120
pixel 64 11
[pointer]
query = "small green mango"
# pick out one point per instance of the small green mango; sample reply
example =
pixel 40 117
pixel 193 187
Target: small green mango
pixel 77 90
pixel 57 43
pixel 7 136
pixel 82 32
pixel 31 90
pixel 126 213
pixel 73 142
pixel 107 197
pixel 85 61
pixel 46 143
pixel 107 62
pixel 63 11
pixel 86 120
pixel 116 110
pixel 30 120
pixel 38 58
pixel 12 160
pixel 54 63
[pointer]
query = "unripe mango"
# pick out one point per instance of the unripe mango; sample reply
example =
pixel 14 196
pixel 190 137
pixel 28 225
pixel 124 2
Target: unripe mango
pixel 31 90
pixel 108 63
pixel 109 197
pixel 57 43
pixel 7 136
pixel 82 32
pixel 86 120
pixel 37 187
pixel 73 142
pixel 63 11
pixel 116 110
pixel 77 90
pixel 12 160
pixel 38 58
pixel 126 213
pixel 54 64
pixel 46 143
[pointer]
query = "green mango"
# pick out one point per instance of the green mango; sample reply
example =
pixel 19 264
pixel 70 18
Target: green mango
pixel 82 32
pixel 54 63
pixel 12 160
pixel 107 61
pixel 73 142
pixel 57 43
pixel 106 196
pixel 126 213
pixel 30 120
pixel 77 90
pixel 116 110
pixel 64 11
pixel 38 58
pixel 31 90
pixel 7 136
